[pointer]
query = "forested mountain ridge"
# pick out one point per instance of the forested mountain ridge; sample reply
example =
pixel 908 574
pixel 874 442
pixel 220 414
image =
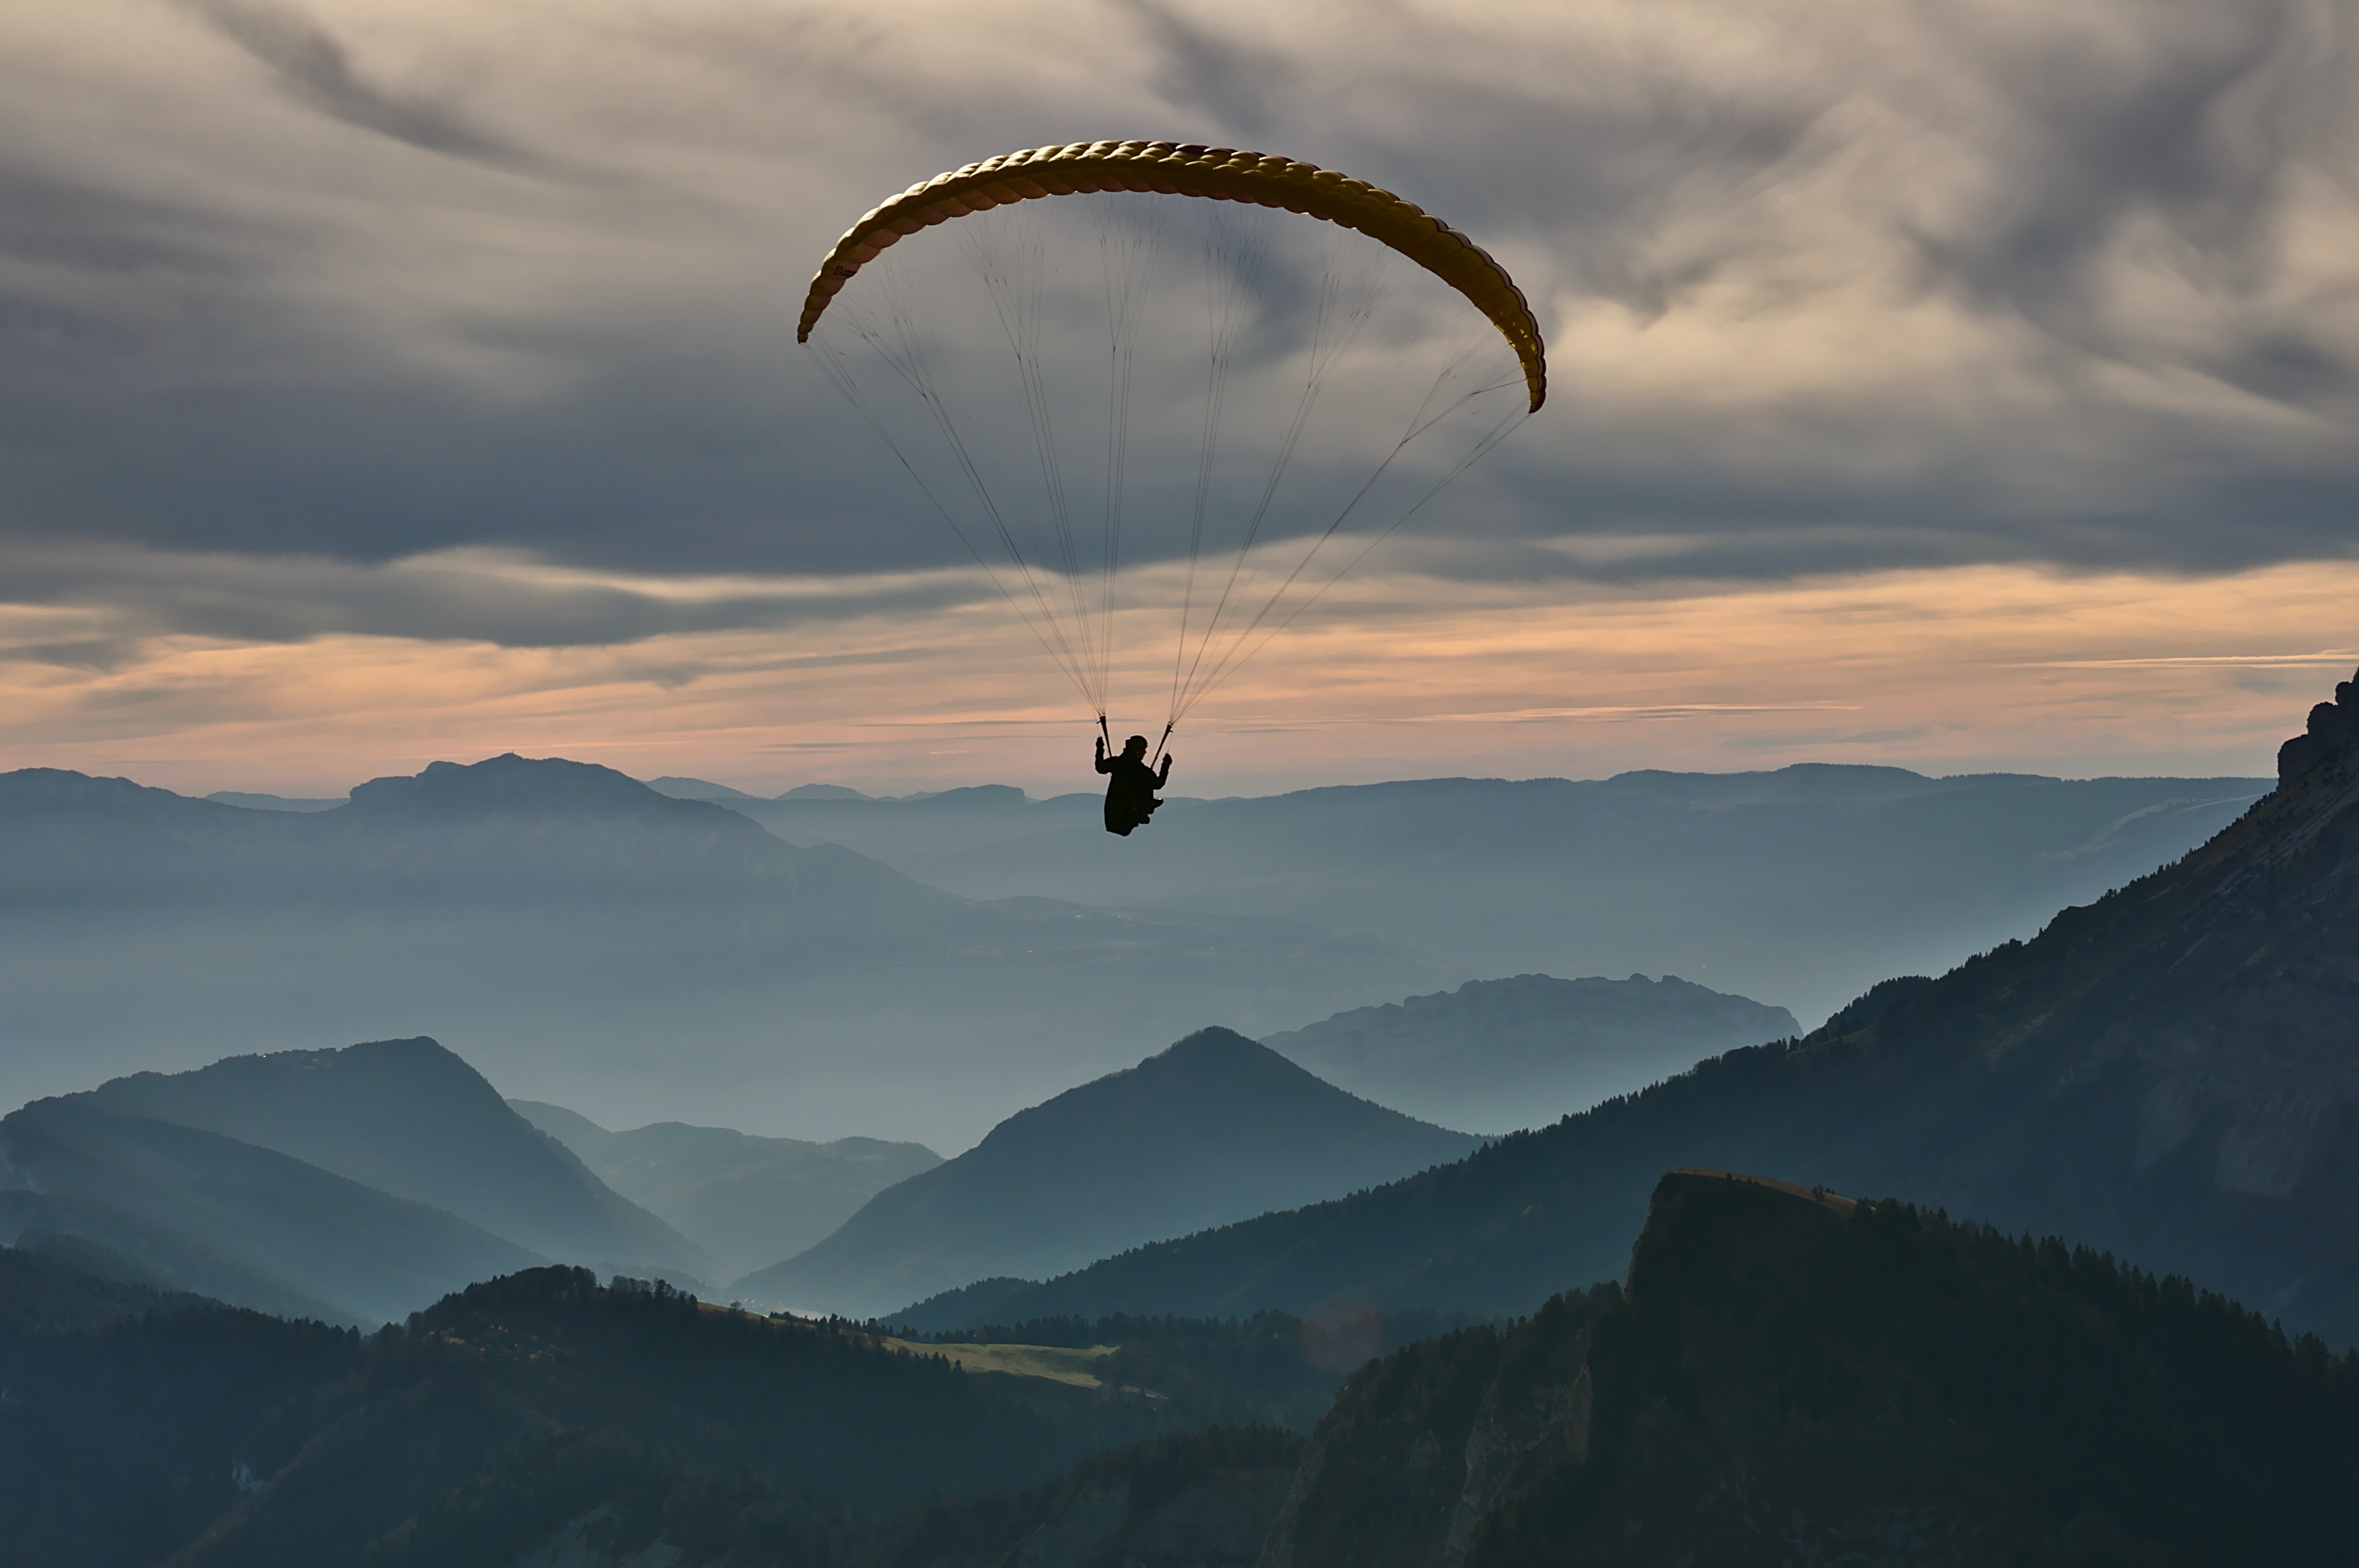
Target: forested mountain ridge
pixel 1495 1055
pixel 542 1417
pixel 2170 1073
pixel 1792 1376
pixel 1214 1127
pixel 46 1286
pixel 1787 1376
pixel 409 1118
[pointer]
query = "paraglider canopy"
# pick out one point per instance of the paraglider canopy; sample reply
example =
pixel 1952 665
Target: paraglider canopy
pixel 1217 174
pixel 1286 385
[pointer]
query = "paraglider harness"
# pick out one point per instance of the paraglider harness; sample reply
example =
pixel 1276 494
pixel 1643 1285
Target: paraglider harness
pixel 1130 793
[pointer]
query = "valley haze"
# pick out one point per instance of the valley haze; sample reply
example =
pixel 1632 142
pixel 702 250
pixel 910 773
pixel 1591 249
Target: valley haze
pixel 589 942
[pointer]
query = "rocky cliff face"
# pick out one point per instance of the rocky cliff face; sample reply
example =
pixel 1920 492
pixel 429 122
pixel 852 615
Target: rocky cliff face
pixel 2333 728
pixel 1792 1377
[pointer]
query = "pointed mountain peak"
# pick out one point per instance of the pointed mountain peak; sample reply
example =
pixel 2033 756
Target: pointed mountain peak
pixel 2333 730
pixel 1216 1062
pixel 1212 1047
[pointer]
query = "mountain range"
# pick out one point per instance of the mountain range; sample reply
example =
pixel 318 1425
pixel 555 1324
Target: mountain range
pixel 1693 1367
pixel 1501 1054
pixel 570 929
pixel 747 1200
pixel 1213 1129
pixel 2170 1073
pixel 1801 887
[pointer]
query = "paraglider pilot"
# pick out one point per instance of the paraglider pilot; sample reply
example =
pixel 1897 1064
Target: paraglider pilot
pixel 1130 796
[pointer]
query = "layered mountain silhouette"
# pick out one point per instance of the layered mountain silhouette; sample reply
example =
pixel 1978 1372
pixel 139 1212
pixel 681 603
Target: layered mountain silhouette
pixel 1801 887
pixel 202 1212
pixel 410 1118
pixel 1794 1377
pixel 1499 1054
pixel 747 1200
pixel 561 923
pixel 351 1185
pixel 1212 1129
pixel 2167 1074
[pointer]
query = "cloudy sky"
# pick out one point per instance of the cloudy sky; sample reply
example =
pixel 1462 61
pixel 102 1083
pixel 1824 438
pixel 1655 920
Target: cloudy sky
pixel 1955 386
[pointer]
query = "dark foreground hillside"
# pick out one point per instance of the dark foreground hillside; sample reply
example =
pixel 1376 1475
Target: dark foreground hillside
pixel 1792 1377
pixel 544 1410
pixel 1788 1377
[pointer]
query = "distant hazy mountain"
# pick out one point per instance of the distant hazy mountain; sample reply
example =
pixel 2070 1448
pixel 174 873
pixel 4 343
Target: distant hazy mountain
pixel 226 1219
pixel 696 789
pixel 1792 1377
pixel 252 802
pixel 1800 887
pixel 921 830
pixel 1502 1055
pixel 566 928
pixel 747 1200
pixel 2165 1073
pixel 1213 1129
pixel 408 1118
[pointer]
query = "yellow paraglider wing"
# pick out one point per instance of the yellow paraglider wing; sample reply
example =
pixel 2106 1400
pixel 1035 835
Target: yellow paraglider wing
pixel 1218 174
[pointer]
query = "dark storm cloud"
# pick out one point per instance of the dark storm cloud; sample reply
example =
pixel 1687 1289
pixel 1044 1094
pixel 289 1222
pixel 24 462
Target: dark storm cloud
pixel 314 67
pixel 53 222
pixel 274 364
pixel 2197 130
pixel 1233 81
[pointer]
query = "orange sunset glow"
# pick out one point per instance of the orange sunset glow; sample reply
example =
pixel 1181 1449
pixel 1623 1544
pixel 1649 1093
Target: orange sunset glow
pixel 1967 669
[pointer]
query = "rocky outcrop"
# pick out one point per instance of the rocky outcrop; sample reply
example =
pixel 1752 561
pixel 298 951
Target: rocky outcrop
pixel 1796 1377
pixel 2333 728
